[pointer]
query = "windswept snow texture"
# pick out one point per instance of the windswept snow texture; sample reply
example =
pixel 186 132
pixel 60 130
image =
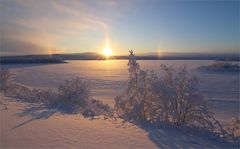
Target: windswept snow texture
pixel 25 125
pixel 109 78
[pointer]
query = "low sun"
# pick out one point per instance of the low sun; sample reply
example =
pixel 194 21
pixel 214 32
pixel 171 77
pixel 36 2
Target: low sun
pixel 107 52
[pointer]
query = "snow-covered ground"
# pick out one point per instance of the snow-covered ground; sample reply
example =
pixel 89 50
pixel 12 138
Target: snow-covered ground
pixel 108 79
pixel 25 125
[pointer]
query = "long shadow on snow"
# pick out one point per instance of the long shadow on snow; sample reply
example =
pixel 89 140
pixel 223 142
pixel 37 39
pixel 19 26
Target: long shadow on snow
pixel 165 136
pixel 43 111
pixel 171 137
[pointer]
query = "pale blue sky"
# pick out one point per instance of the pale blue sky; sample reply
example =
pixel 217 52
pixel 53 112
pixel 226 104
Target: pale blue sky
pixel 39 27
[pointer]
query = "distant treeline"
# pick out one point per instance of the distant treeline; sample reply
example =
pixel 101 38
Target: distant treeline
pixel 221 58
pixel 221 66
pixel 30 59
pixel 183 56
pixel 59 58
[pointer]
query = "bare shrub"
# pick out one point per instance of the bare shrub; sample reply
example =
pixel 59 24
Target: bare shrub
pixel 234 129
pixel 96 108
pixel 73 94
pixel 75 91
pixel 31 95
pixel 5 78
pixel 44 95
pixel 179 99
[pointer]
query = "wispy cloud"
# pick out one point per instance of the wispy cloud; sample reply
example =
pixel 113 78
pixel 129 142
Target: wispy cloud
pixel 85 25
pixel 46 23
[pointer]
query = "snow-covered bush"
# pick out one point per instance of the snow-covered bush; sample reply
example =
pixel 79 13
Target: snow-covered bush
pixel 31 95
pixel 234 129
pixel 74 91
pixel 179 99
pixel 5 78
pixel 73 94
pixel 96 108
pixel 45 95
pixel 171 97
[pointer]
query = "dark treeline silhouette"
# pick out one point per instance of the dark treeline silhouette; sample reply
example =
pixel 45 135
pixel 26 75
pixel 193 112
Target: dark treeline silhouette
pixel 59 58
pixel 30 59
pixel 151 56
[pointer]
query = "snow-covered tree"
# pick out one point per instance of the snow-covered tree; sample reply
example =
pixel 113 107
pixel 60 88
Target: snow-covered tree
pixel 171 97
pixel 131 104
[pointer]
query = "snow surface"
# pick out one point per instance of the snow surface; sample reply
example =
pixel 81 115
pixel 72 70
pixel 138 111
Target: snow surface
pixel 25 125
pixel 108 79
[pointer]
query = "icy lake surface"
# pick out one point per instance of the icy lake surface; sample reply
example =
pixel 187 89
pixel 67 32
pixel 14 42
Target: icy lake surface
pixel 108 79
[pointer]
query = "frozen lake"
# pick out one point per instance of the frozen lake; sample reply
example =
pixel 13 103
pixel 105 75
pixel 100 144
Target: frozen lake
pixel 108 78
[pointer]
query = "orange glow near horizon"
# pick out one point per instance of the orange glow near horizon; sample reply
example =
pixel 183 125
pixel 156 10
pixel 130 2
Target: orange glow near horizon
pixel 107 52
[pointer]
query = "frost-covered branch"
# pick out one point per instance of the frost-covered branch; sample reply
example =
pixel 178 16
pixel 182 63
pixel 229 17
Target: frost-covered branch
pixel 171 97
pixel 5 78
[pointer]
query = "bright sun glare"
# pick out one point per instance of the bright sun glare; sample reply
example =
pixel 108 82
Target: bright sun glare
pixel 107 52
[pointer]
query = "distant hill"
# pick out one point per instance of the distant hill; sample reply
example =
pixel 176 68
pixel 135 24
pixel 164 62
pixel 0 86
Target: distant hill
pixel 80 56
pixel 152 56
pixel 190 56
pixel 30 59
pixel 59 58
